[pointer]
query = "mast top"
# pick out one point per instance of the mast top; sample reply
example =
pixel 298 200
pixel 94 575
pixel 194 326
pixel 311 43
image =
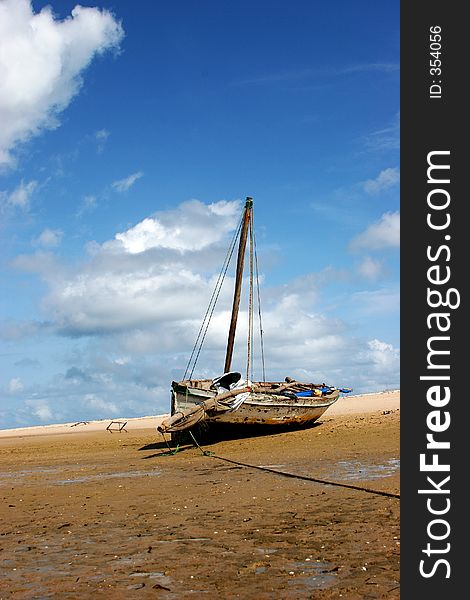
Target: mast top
pixel 249 202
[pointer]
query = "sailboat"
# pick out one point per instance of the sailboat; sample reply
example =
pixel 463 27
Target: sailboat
pixel 232 398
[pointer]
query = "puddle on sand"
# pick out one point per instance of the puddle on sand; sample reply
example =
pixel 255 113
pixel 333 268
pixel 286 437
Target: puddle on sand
pixel 16 475
pixel 267 551
pixel 100 476
pixel 161 578
pixel 179 540
pixel 349 470
pixel 147 574
pixel 19 476
pixel 316 575
pixel 342 470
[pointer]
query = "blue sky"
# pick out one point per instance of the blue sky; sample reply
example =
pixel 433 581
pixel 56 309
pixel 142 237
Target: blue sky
pixel 130 135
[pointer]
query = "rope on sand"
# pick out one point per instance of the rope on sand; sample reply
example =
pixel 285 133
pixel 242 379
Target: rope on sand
pixel 294 475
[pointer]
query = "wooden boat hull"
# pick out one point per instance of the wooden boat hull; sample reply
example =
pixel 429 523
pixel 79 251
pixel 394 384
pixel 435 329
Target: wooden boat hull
pixel 259 408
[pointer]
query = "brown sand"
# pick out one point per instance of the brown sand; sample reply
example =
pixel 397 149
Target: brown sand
pixel 110 515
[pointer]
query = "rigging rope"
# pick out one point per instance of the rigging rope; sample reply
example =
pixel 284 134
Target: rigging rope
pixel 261 332
pixel 212 303
pixel 190 367
pixel 249 363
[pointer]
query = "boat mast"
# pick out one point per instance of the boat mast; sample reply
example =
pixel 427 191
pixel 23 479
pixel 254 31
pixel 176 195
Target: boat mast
pixel 238 282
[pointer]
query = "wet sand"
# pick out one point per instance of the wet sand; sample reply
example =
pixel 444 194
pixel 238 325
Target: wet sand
pixel 113 515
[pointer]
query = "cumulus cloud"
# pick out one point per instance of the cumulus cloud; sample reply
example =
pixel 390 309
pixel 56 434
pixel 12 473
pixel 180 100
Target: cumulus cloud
pixel 384 180
pixel 41 409
pixel 137 302
pixel 19 198
pixel 42 262
pixel 42 60
pixel 370 268
pixel 145 276
pixel 122 185
pixel 98 405
pixel 384 362
pixel 15 385
pixel 191 227
pixel 49 238
pixel 385 233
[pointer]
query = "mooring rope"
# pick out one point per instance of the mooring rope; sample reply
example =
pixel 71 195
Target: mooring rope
pixel 295 475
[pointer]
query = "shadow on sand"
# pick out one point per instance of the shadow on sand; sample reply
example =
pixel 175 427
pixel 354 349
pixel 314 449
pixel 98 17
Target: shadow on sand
pixel 206 434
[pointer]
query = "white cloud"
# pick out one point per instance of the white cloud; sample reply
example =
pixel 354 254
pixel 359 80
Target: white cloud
pixel 385 180
pixel 385 139
pixel 190 227
pixel 41 64
pixel 122 185
pixel 370 268
pixel 17 330
pixel 385 362
pixel 122 361
pixel 385 233
pixel 88 204
pixel 365 67
pixel 41 262
pixel 138 309
pixel 41 409
pixel 379 347
pixel 96 302
pixel 49 238
pixel 140 278
pixel 97 404
pixel 15 385
pixel 299 75
pixel 20 196
pixel 375 302
pixel 101 137
pixel 43 412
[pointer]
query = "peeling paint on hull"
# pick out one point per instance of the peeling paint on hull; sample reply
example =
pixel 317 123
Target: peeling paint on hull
pixel 261 409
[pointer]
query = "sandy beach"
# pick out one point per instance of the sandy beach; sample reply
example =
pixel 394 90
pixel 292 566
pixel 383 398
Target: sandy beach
pixel 92 513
